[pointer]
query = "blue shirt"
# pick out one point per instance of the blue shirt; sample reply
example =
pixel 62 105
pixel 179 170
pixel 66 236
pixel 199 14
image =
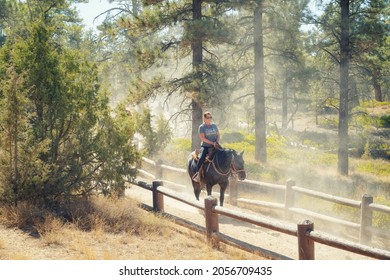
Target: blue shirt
pixel 210 132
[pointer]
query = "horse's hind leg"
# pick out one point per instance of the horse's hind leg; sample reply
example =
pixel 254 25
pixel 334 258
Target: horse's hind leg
pixel 197 189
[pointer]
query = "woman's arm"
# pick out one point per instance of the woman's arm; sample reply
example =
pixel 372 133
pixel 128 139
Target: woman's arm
pixel 205 140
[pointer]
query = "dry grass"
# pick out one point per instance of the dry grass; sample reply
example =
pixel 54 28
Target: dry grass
pixel 101 229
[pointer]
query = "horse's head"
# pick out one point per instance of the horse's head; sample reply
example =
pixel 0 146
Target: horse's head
pixel 238 165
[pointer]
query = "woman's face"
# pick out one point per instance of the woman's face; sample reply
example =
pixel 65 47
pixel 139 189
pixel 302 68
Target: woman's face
pixel 207 119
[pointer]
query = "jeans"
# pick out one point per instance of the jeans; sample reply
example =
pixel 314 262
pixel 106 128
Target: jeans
pixel 204 152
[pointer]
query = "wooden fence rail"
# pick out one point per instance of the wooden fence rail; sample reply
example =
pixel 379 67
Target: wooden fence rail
pixel 366 206
pixel 303 231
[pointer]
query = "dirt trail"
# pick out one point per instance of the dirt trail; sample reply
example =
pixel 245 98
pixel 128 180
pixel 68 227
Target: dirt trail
pixel 267 239
pixel 25 246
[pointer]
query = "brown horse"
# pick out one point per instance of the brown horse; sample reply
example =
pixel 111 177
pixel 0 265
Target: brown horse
pixel 223 163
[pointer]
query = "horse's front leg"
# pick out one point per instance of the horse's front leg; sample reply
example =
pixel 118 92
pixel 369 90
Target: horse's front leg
pixel 209 189
pixel 223 187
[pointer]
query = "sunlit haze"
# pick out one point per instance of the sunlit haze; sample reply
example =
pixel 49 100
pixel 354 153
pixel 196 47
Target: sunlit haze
pixel 89 11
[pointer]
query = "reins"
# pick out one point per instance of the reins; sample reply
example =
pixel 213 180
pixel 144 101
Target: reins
pixel 219 171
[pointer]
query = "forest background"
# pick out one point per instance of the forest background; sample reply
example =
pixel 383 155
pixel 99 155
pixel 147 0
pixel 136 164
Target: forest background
pixel 80 107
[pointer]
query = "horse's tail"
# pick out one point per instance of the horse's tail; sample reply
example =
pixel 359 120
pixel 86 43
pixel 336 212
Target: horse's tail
pixel 191 163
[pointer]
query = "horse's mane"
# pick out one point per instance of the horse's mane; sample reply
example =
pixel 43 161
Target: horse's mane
pixel 225 152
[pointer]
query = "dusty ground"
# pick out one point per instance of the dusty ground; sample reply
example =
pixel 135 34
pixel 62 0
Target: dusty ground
pixel 158 240
pixel 264 238
pixel 16 244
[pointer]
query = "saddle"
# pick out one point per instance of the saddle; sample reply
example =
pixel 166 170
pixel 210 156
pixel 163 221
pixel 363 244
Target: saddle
pixel 208 159
pixel 195 154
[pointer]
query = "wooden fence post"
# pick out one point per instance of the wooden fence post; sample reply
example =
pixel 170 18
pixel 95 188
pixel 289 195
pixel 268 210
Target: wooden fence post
pixel 212 224
pixel 289 198
pixel 305 244
pixel 233 190
pixel 365 219
pixel 158 198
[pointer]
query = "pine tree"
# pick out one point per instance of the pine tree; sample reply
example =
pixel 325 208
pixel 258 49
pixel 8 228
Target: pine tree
pixel 346 26
pixel 369 34
pixel 183 36
pixel 76 146
pixel 15 154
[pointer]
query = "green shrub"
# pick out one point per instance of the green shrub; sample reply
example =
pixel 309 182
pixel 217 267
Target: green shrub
pixel 70 144
pixel 328 123
pixel 240 146
pixel 250 139
pixel 276 147
pixel 384 121
pixel 182 144
pixel 232 137
pixel 155 138
pixel 373 167
pixel 323 159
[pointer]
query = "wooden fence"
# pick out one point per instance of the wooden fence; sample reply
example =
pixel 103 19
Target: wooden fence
pixel 365 229
pixel 303 231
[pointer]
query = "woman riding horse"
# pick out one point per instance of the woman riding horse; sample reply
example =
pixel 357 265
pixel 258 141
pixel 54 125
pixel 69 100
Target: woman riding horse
pixel 209 136
pixel 224 164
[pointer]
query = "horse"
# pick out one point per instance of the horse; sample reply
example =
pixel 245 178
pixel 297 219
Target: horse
pixel 223 164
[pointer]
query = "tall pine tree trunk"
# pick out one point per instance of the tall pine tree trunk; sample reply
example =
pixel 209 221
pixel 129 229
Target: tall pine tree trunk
pixel 344 70
pixel 377 87
pixel 284 101
pixel 197 59
pixel 260 128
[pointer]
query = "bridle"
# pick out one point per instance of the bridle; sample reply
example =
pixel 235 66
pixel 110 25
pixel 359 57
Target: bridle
pixel 230 169
pixel 237 170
